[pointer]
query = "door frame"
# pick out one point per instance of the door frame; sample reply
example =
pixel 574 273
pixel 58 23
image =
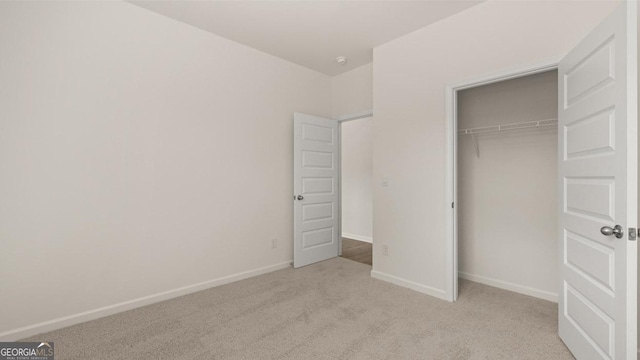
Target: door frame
pixel 342 119
pixel 451 176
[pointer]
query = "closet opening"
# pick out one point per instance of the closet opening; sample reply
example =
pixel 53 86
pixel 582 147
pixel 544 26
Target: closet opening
pixel 505 181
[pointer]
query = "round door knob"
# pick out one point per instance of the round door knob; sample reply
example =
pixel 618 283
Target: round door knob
pixel 300 197
pixel 616 230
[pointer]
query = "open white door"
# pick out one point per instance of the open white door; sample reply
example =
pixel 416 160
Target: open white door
pixel 598 191
pixel 315 184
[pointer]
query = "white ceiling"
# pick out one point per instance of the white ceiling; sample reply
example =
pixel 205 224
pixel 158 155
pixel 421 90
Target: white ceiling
pixel 310 33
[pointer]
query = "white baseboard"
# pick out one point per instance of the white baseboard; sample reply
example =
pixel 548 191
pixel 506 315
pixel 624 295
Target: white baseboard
pixel 520 289
pixel 357 237
pixel 428 290
pixel 23 332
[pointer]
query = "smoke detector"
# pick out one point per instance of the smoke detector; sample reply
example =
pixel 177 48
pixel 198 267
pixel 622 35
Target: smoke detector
pixel 341 60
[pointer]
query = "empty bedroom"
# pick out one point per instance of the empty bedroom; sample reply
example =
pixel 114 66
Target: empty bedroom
pixel 318 179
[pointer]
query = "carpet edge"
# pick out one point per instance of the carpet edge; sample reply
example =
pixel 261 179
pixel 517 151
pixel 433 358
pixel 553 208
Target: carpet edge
pixel 428 290
pixel 505 285
pixel 62 322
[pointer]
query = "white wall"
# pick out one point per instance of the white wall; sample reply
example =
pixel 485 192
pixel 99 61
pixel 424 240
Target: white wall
pixel 351 92
pixel 357 172
pixel 507 197
pixel 409 79
pixel 137 155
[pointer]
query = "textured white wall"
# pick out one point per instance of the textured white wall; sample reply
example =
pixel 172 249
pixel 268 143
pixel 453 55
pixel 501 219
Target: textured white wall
pixel 357 171
pixel 507 197
pixel 409 79
pixel 137 155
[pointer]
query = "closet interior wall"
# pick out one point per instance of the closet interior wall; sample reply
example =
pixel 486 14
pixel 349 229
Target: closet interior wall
pixel 507 187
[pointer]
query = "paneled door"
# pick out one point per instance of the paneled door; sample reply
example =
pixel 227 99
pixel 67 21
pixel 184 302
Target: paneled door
pixel 315 184
pixel 598 191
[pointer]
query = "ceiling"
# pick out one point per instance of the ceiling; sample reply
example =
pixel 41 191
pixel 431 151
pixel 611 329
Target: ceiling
pixel 310 33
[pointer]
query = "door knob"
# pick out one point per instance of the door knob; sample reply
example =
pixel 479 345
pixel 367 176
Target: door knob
pixel 616 230
pixel 300 197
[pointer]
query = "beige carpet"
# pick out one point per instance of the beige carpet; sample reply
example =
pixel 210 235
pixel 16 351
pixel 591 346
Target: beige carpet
pixel 330 310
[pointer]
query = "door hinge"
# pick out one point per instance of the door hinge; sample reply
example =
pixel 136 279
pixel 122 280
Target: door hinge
pixel 632 234
pixel 452 205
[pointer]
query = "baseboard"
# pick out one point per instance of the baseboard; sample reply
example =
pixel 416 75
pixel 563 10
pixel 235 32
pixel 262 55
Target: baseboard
pixel 357 237
pixel 520 289
pixel 428 290
pixel 21 333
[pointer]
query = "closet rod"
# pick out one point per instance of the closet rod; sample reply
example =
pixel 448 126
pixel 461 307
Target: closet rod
pixel 505 127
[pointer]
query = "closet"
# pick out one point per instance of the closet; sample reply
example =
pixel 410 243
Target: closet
pixel 507 184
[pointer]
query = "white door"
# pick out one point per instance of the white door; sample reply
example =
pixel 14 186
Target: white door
pixel 315 184
pixel 598 190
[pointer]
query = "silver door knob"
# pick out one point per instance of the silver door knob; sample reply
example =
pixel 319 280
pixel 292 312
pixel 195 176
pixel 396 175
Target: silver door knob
pixel 616 230
pixel 300 197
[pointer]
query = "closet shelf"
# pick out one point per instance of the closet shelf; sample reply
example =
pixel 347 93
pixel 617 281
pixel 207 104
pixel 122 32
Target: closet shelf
pixel 506 127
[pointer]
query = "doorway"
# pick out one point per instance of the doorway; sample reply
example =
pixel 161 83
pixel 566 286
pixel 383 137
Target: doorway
pixel 317 220
pixel 453 139
pixel 356 190
pixel 507 184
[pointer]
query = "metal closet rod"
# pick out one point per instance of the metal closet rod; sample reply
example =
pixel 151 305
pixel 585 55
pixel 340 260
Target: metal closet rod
pixel 505 127
pixel 513 126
